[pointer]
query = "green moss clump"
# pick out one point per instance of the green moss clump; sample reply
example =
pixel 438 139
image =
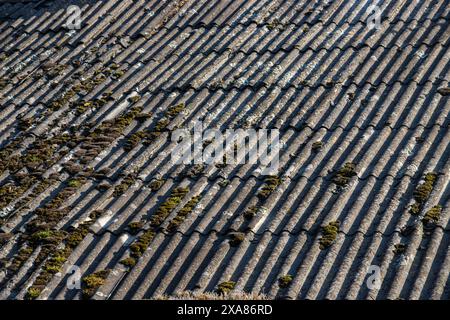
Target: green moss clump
pixel 156 184
pixel 433 215
pixel 135 227
pixel 415 208
pixel 183 213
pixel 92 282
pixel 74 183
pixel 33 292
pixel 129 262
pixel 52 70
pixel 47 237
pixel 134 99
pixel 344 174
pixel 270 184
pixel 224 183
pixel 236 238
pixel 138 248
pixel 144 241
pixel 118 74
pixel 285 281
pixel 143 116
pixel 3 57
pixel 103 186
pixel 173 111
pixel 225 287
pixel 424 190
pixel 134 140
pixel 167 206
pixel 19 259
pixel 126 183
pixel 4 82
pixel 329 234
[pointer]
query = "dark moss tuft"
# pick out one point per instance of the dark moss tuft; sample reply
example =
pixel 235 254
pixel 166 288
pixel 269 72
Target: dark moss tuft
pixel 343 175
pixel 236 238
pixel 285 281
pixel 433 215
pixel 92 282
pixel 329 234
pixel 225 287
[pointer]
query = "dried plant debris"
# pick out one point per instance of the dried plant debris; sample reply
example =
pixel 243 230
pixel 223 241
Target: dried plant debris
pixel 329 234
pixel 343 175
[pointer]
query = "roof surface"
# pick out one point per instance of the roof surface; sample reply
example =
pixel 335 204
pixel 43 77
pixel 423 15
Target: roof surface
pixel 86 117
